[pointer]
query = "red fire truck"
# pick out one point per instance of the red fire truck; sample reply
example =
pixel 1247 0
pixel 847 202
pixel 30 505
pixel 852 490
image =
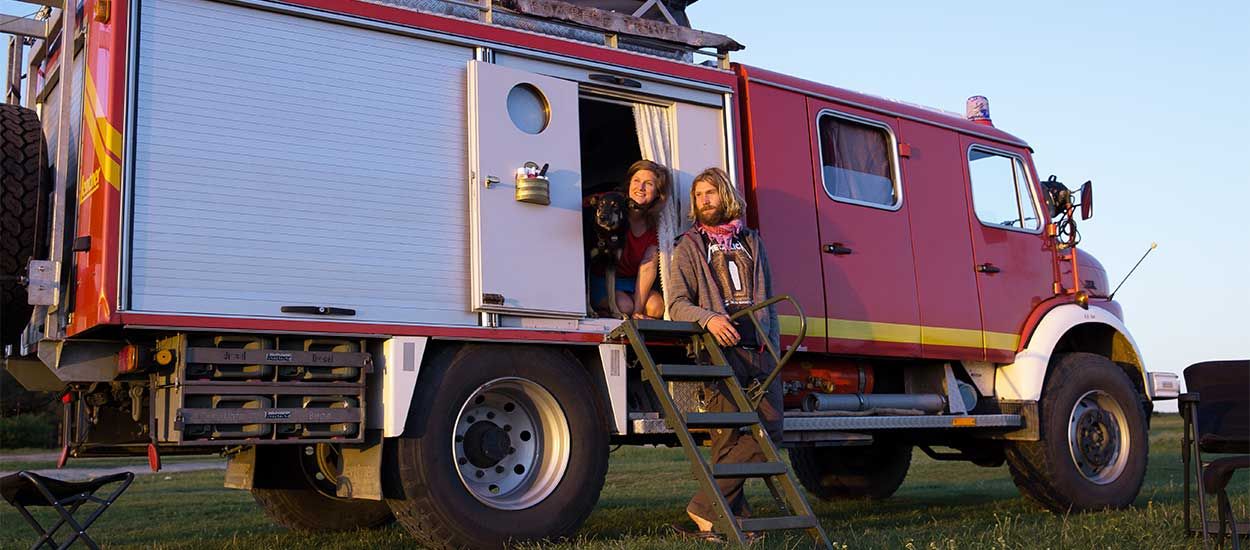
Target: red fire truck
pixel 301 233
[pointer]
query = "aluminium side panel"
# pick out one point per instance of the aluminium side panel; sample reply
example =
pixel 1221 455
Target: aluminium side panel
pixel 289 161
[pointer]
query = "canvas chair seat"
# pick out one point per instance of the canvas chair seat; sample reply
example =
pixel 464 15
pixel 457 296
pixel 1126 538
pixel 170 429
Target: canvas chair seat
pixel 1217 473
pixel 28 489
pixel 1216 411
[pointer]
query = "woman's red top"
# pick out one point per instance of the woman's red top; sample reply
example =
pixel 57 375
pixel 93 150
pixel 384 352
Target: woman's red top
pixel 631 255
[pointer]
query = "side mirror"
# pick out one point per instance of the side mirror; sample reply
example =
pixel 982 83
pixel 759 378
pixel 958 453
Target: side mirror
pixel 1087 200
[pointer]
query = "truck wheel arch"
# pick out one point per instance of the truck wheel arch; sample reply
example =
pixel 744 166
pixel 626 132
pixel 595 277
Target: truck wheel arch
pixel 1068 328
pixel 399 384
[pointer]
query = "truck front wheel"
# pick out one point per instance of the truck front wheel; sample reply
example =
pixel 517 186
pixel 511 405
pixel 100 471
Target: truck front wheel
pixel 869 472
pixel 299 491
pixel 502 445
pixel 1093 448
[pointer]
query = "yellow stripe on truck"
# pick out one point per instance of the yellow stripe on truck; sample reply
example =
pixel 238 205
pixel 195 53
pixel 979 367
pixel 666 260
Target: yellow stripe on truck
pixel 110 169
pixel 111 137
pixel 899 333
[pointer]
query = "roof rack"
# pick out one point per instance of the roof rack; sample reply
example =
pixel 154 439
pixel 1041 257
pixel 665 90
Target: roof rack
pixel 654 27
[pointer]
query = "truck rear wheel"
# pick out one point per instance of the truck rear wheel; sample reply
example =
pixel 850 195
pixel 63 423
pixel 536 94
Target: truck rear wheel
pixel 23 167
pixel 301 491
pixel 502 445
pixel 869 472
pixel 1093 448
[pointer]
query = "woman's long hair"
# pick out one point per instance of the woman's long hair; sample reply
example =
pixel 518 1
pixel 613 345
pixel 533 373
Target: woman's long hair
pixel 663 188
pixel 731 201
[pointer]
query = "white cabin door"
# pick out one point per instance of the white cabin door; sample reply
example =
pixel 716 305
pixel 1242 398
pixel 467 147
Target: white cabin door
pixel 527 257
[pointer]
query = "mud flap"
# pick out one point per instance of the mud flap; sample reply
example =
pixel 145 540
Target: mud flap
pixel 362 473
pixel 241 470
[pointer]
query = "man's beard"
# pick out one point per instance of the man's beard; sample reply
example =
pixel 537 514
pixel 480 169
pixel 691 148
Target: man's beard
pixel 712 216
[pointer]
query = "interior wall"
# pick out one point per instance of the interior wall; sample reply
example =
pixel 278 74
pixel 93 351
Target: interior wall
pixel 609 145
pixel 700 145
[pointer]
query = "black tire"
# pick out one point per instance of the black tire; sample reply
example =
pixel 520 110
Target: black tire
pixel 295 498
pixel 23 171
pixel 1109 475
pixel 847 473
pixel 438 448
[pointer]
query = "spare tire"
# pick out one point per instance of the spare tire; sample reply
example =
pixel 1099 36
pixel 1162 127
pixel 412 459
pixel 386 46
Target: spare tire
pixel 297 490
pixel 870 472
pixel 23 176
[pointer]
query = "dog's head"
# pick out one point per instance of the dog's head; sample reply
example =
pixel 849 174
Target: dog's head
pixel 609 210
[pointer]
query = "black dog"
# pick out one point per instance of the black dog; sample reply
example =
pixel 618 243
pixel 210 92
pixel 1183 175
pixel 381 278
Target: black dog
pixel 603 224
pixel 603 232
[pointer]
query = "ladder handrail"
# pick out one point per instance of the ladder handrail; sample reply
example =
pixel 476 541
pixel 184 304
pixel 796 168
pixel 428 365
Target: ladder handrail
pixel 757 389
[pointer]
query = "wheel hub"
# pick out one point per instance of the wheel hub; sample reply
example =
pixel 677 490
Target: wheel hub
pixel 486 444
pixel 1097 437
pixel 511 443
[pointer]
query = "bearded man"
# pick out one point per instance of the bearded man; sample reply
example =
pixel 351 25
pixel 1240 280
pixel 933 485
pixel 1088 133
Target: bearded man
pixel 720 268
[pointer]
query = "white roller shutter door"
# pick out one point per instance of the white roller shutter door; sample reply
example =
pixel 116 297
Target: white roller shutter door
pixel 286 161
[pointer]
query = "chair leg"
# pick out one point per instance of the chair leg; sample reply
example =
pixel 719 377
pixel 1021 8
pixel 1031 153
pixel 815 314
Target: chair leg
pixel 45 538
pixel 1202 489
pixel 1185 442
pixel 1226 514
pixel 80 531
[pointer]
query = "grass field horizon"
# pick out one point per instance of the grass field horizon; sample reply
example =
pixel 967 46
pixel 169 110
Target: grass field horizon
pixel 942 505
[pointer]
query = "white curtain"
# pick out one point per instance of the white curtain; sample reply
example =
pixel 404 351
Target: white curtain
pixel 655 141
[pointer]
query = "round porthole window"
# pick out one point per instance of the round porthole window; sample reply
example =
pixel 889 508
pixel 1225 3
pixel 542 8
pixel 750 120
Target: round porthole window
pixel 528 109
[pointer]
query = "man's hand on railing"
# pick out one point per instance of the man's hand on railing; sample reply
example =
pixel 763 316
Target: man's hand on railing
pixel 722 329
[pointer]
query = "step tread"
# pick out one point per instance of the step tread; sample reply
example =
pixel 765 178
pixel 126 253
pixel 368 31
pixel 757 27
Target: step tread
pixel 749 469
pixel 695 372
pixel 721 419
pixel 777 523
pixel 653 327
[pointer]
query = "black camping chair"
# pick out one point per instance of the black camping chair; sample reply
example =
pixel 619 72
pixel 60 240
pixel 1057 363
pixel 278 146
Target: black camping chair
pixel 1216 410
pixel 25 489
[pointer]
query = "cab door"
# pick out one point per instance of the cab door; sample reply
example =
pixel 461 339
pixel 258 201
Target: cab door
pixel 1012 258
pixel 526 252
pixel 865 240
pixel 950 308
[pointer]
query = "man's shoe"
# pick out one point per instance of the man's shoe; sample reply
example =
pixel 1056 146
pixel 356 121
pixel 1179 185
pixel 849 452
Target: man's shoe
pixel 702 524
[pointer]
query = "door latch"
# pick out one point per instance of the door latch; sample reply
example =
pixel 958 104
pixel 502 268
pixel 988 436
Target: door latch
pixel 491 181
pixel 837 249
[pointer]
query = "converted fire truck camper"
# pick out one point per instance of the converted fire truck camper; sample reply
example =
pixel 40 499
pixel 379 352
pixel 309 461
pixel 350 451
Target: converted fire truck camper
pixel 341 242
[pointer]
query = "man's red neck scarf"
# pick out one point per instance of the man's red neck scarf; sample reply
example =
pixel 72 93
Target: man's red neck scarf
pixel 721 234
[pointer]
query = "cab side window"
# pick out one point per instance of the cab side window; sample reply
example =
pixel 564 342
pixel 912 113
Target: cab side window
pixel 1000 190
pixel 856 162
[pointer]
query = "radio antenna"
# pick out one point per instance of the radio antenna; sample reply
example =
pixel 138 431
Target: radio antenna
pixel 1130 272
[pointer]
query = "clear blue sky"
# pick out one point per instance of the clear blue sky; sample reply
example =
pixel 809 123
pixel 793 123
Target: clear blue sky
pixel 1147 99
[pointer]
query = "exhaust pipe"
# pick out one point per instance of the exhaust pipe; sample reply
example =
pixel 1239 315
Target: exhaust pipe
pixel 853 402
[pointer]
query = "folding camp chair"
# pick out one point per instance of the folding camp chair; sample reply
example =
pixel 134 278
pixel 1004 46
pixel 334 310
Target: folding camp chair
pixel 25 489
pixel 1216 410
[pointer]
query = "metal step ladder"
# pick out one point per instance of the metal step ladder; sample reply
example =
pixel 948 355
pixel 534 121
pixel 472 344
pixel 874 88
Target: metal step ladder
pixel 774 472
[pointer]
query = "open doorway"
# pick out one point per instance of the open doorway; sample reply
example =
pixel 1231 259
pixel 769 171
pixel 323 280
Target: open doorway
pixel 609 143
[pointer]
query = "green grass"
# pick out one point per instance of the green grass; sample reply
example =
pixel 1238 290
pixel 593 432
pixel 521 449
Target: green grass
pixel 942 505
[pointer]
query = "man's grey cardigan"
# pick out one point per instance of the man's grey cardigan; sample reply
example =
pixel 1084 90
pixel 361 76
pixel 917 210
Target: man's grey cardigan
pixel 694 296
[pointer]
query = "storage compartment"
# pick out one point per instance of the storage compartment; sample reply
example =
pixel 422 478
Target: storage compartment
pixel 325 373
pixel 212 371
pixel 224 430
pixel 312 389
pixel 324 176
pixel 318 429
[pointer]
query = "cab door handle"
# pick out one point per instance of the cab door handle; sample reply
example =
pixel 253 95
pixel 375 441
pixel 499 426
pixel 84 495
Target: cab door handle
pixel 987 268
pixel 837 249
